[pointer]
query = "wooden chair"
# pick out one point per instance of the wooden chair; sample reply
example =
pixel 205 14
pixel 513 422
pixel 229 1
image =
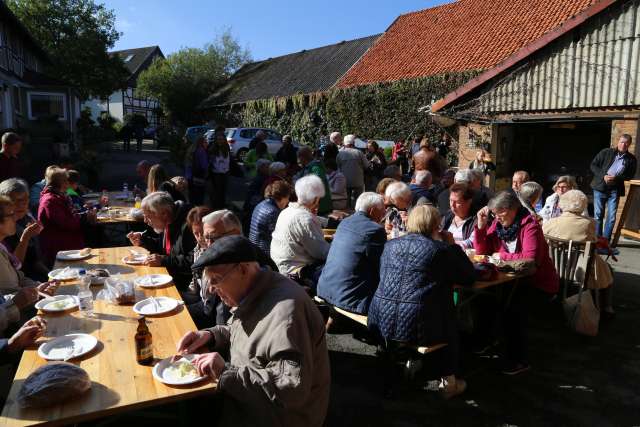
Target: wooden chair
pixel 573 261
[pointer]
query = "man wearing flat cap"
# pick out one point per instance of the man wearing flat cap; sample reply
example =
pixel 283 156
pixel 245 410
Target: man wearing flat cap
pixel 278 371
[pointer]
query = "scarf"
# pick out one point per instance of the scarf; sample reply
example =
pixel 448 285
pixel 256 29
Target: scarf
pixel 510 233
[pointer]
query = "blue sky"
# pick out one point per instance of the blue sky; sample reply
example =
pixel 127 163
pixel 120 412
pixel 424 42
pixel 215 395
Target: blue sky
pixel 267 28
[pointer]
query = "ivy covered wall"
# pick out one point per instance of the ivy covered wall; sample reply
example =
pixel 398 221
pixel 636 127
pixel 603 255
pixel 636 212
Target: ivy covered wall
pixel 384 111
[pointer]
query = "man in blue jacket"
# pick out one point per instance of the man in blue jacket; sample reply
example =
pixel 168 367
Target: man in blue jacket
pixel 611 168
pixel 350 276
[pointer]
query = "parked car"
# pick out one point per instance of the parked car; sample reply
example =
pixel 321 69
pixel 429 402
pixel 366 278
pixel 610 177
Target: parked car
pixel 193 132
pixel 239 139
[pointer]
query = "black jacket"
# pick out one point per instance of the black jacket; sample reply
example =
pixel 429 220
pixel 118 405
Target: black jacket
pixel 601 164
pixel 467 228
pixel 180 258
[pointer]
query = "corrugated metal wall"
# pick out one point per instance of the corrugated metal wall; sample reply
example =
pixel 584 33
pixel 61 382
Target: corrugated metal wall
pixel 595 65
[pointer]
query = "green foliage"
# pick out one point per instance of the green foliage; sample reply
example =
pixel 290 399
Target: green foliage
pixel 187 77
pixel 385 111
pixel 77 35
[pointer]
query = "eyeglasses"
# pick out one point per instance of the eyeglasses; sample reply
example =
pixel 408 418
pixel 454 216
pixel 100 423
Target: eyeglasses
pixel 211 238
pixel 215 282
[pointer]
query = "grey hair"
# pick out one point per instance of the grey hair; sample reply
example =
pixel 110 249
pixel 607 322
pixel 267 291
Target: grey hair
pixel 468 175
pixel 335 136
pixel 368 200
pixel 228 219
pixel 276 167
pixel 13 185
pixel 398 190
pixel 349 140
pixel 504 200
pixel 158 202
pixel 262 162
pixel 567 179
pixel 422 177
pixel 309 188
pixel 529 191
pixel 573 201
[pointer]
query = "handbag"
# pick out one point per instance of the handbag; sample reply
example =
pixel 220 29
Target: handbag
pixel 581 313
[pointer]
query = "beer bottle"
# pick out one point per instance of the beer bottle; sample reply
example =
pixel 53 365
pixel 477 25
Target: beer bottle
pixel 144 346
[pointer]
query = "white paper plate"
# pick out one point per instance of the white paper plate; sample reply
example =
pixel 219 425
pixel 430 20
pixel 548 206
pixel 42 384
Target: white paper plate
pixel 73 255
pixel 146 307
pixel 67 347
pixel 153 280
pixel 135 259
pixel 72 274
pixel 165 372
pixel 49 304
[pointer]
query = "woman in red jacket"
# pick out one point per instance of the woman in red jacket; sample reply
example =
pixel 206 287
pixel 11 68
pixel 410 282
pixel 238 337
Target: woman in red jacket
pixel 516 234
pixel 62 228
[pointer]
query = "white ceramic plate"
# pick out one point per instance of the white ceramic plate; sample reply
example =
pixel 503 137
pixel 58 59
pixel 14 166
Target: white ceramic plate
pixel 135 259
pixel 64 274
pixel 169 373
pixel 74 255
pixel 162 305
pixel 67 347
pixel 153 280
pixel 57 303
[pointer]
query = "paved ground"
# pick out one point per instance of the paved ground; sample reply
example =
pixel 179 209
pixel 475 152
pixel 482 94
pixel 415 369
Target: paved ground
pixel 575 380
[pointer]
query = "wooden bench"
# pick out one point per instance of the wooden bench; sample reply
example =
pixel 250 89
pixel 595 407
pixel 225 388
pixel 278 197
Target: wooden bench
pixel 362 320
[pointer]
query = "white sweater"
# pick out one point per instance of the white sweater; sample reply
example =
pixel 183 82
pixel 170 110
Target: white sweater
pixel 297 240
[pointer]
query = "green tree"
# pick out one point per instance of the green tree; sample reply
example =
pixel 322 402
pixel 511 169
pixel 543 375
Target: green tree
pixel 185 78
pixel 77 35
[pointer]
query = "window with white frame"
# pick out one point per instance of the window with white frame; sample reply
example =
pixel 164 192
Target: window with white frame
pixel 46 104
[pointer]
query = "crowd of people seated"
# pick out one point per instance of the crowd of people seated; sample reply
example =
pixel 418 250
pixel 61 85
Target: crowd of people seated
pixel 402 227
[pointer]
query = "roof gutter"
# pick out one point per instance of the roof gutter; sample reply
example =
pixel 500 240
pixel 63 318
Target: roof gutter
pixel 521 54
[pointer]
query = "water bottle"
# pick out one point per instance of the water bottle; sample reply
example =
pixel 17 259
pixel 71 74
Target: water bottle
pixel 85 296
pixel 125 191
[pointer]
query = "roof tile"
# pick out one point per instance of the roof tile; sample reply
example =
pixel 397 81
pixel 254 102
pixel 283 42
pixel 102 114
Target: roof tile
pixel 460 36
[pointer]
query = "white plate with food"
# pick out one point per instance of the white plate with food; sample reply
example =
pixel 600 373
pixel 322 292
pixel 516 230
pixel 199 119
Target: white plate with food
pixel 135 259
pixel 67 347
pixel 155 305
pixel 57 303
pixel 153 280
pixel 98 275
pixel 180 372
pixel 74 255
pixel 64 274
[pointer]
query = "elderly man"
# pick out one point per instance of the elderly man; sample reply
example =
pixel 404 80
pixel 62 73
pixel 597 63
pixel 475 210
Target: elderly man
pixel 611 168
pixel 519 178
pixel 311 166
pixel 208 308
pixel 10 165
pixel 298 246
pixel 278 370
pixel 351 273
pixel 288 153
pixel 172 245
pixel 333 147
pixel 261 136
pixel 422 188
pixel 24 243
pixel 352 163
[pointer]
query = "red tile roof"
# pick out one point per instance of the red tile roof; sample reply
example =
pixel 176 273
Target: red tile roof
pixel 460 36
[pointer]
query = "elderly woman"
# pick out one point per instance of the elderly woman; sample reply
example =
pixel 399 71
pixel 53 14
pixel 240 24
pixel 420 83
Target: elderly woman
pixel 277 172
pixel 172 244
pixel 265 215
pixel 414 300
pixel 62 227
pixel 24 244
pixel 298 246
pixel 572 225
pixel 529 194
pixel 551 208
pixel 460 221
pixel 398 198
pixel 514 235
pixel 18 290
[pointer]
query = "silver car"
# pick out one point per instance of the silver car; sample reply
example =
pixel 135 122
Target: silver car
pixel 239 139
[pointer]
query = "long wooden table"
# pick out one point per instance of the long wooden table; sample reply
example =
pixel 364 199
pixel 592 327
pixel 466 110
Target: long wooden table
pixel 119 383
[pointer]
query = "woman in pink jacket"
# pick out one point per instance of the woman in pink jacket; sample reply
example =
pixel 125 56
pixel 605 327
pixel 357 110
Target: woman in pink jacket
pixel 62 228
pixel 516 234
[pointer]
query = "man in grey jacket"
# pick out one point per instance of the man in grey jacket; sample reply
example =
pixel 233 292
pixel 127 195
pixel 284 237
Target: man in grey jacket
pixel 352 163
pixel 278 371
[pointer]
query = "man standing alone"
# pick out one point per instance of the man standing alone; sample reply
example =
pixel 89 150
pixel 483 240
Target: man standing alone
pixel 611 168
